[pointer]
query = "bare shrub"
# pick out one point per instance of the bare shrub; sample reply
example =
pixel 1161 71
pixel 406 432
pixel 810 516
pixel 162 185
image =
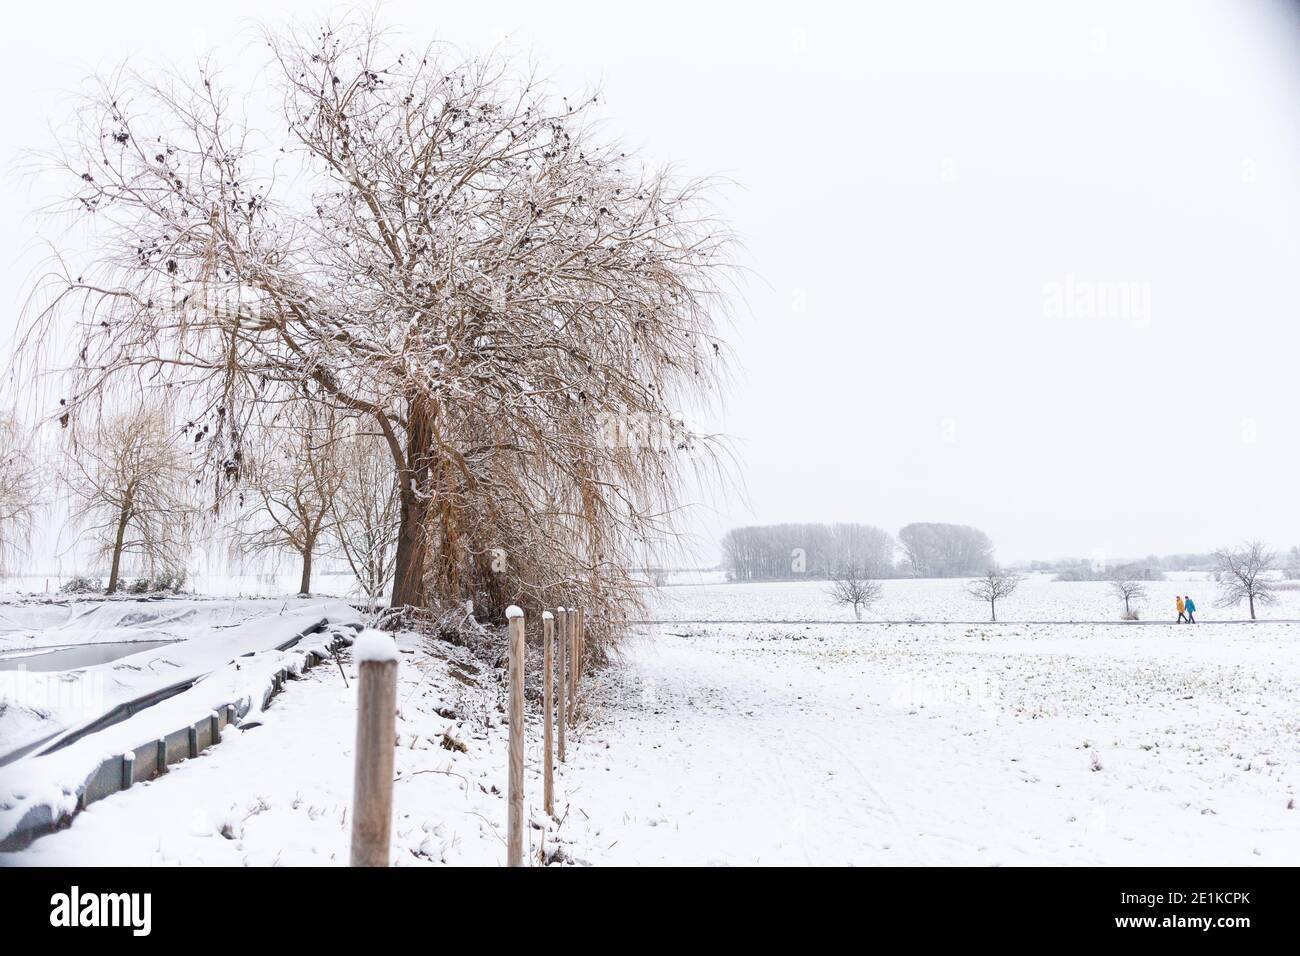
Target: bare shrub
pixel 1130 591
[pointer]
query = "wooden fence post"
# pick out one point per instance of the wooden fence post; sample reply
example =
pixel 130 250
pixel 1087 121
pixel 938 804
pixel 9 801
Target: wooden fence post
pixel 372 791
pixel 571 637
pixel 582 642
pixel 548 705
pixel 515 788
pixel 562 675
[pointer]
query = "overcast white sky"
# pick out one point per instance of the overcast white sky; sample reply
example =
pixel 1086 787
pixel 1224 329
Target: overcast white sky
pixel 929 194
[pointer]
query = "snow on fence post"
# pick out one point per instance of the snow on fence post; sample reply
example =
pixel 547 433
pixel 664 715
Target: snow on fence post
pixel 515 788
pixel 562 674
pixel 372 792
pixel 548 703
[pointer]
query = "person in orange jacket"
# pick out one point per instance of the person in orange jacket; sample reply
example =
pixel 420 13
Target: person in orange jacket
pixel 1182 610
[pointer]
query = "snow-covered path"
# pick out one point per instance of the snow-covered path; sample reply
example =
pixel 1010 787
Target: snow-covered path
pixel 943 745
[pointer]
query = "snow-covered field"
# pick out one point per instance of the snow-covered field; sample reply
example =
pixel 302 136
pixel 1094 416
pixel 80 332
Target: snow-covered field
pixel 813 742
pixel 920 744
pixel 280 794
pixel 1038 598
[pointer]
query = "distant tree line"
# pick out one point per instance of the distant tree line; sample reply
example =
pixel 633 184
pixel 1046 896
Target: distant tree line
pixel 784 551
pixel 1085 570
pixel 1090 569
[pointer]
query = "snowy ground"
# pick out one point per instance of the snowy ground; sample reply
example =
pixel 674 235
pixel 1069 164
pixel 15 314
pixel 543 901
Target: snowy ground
pixel 801 743
pixel 916 744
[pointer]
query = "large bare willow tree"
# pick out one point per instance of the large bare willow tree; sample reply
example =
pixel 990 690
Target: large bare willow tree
pixel 439 245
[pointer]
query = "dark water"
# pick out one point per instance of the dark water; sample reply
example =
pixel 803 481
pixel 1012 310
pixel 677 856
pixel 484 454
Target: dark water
pixel 82 655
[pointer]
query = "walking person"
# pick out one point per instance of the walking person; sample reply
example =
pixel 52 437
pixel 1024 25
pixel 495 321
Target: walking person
pixel 1190 606
pixel 1182 609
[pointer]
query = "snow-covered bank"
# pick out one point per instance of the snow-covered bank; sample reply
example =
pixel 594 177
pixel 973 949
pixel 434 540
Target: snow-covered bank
pixel 36 623
pixel 280 794
pixel 44 791
pixel 209 633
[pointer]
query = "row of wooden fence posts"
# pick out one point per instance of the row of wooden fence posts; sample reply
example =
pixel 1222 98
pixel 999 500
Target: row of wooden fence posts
pixel 559 699
pixel 372 795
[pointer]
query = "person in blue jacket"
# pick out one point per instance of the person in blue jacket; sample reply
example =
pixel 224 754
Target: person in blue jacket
pixel 1191 608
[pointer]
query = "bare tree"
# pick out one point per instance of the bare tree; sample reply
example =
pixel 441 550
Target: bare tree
pixel 850 586
pixel 945 550
pixel 993 587
pixel 464 261
pixel 130 489
pixel 366 511
pixel 1130 591
pixel 289 485
pixel 1242 575
pixel 19 489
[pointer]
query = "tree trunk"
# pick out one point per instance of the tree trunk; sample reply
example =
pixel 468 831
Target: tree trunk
pixel 1252 606
pixel 993 610
pixel 118 541
pixel 412 540
pixel 305 586
pixel 412 553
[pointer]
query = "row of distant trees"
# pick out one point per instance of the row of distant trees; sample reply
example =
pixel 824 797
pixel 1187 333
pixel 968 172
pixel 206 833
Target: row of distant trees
pixel 783 551
pixel 1242 574
pixel 1091 569
pixel 850 586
